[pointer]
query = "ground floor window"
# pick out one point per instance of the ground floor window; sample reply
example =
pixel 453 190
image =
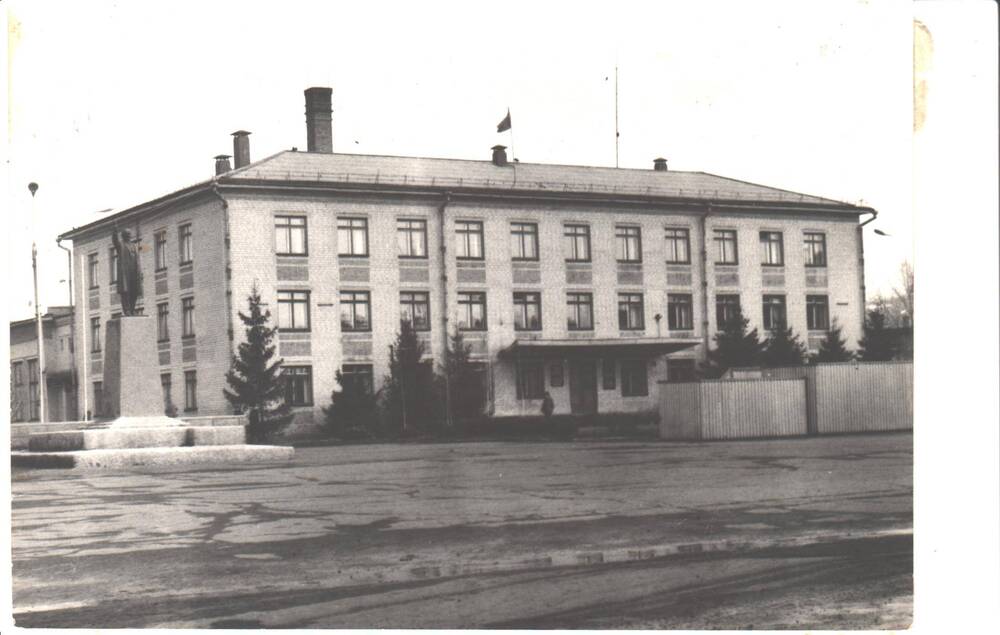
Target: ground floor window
pixel 98 398
pixel 357 377
pixel 608 378
pixel 530 379
pixel 635 383
pixel 727 310
pixel 556 375
pixel 681 370
pixel 190 390
pixel 298 385
pixel 166 388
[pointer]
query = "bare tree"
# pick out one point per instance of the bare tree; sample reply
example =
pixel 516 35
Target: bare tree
pixel 904 293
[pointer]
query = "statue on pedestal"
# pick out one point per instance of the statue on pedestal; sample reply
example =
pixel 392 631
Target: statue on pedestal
pixel 128 269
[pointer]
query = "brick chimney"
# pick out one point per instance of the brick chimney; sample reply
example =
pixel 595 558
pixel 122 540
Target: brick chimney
pixel 222 164
pixel 660 164
pixel 319 125
pixel 500 155
pixel 241 148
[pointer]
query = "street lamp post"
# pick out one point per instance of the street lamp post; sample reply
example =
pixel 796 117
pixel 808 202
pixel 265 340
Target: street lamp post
pixel 33 187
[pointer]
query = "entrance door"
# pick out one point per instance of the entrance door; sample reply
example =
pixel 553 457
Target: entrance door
pixel 582 386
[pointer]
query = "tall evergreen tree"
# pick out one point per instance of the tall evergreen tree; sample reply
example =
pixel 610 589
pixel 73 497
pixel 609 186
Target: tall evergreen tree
pixel 783 348
pixel 353 411
pixel 255 385
pixel 411 401
pixel 834 347
pixel 736 346
pixel 465 391
pixel 876 345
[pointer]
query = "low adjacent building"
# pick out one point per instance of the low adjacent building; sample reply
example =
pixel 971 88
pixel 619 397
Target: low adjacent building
pixel 589 283
pixel 58 369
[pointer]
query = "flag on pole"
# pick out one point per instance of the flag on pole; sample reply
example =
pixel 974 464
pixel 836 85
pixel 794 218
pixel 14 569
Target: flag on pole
pixel 505 124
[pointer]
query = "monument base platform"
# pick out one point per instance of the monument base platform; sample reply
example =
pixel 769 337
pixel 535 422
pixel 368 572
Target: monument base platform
pixel 138 437
pixel 135 457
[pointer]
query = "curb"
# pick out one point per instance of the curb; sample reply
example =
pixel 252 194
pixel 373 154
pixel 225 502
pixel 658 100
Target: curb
pixel 559 559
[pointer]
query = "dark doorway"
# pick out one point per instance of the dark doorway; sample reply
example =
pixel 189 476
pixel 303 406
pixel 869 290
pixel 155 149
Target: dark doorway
pixel 582 386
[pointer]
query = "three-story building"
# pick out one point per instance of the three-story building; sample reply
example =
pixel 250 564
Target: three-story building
pixel 589 283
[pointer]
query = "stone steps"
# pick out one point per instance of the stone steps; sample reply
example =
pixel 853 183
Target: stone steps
pixel 121 438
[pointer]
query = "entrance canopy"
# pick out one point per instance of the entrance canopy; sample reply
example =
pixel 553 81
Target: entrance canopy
pixel 610 347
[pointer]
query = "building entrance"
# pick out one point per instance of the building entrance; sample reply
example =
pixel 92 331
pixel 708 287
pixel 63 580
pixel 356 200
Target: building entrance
pixel 582 386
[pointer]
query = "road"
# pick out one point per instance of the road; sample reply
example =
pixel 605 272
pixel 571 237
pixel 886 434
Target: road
pixel 374 529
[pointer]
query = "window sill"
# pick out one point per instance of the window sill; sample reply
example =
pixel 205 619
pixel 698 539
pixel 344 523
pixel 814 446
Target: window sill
pixel 579 262
pixel 477 330
pixel 678 262
pixel 184 263
pixel 768 265
pixel 282 329
pixel 727 264
pixel 305 255
pixel 343 330
pixel 353 256
pixel 402 257
pixel 187 338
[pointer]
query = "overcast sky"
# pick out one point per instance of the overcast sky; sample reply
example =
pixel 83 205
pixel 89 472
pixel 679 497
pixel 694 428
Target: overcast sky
pixel 112 104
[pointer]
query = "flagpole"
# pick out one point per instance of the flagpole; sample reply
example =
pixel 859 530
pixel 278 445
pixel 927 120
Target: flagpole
pixel 616 115
pixel 513 156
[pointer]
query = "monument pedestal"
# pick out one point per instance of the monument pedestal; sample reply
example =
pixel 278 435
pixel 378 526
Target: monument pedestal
pixel 139 433
pixel 132 392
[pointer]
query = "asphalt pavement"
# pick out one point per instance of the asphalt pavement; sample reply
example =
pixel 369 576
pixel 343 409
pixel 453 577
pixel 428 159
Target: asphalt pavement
pixel 198 546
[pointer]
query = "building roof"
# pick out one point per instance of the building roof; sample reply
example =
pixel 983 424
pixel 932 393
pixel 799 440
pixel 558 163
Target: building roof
pixel 53 313
pixel 292 168
pixel 535 177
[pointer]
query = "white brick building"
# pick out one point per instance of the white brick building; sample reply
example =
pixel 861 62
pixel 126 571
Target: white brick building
pixel 589 283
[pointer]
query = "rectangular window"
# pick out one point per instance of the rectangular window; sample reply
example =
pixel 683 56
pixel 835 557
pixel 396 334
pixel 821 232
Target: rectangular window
pixel 679 314
pixel 92 278
pixel 411 238
pixel 631 313
pixel 635 383
pixel 98 398
pixel 95 335
pixel 527 311
pixel 774 312
pixel 160 250
pixel 628 242
pixel 580 308
pixel 815 246
pixel 186 242
pixel 524 241
pixel 415 308
pixel 162 322
pixel 17 372
pixel 165 387
pixel 298 385
pixel 471 311
pixel 817 313
pixel 772 250
pixel 469 239
pixel 725 247
pixel 190 390
pixel 355 311
pixel 113 261
pixel 352 237
pixel 530 379
pixel 293 310
pixel 577 243
pixel 291 236
pixel 357 376
pixel 187 317
pixel 727 310
pixel 608 374
pixel 678 246
pixel 556 375
pixel 34 394
pixel 681 370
